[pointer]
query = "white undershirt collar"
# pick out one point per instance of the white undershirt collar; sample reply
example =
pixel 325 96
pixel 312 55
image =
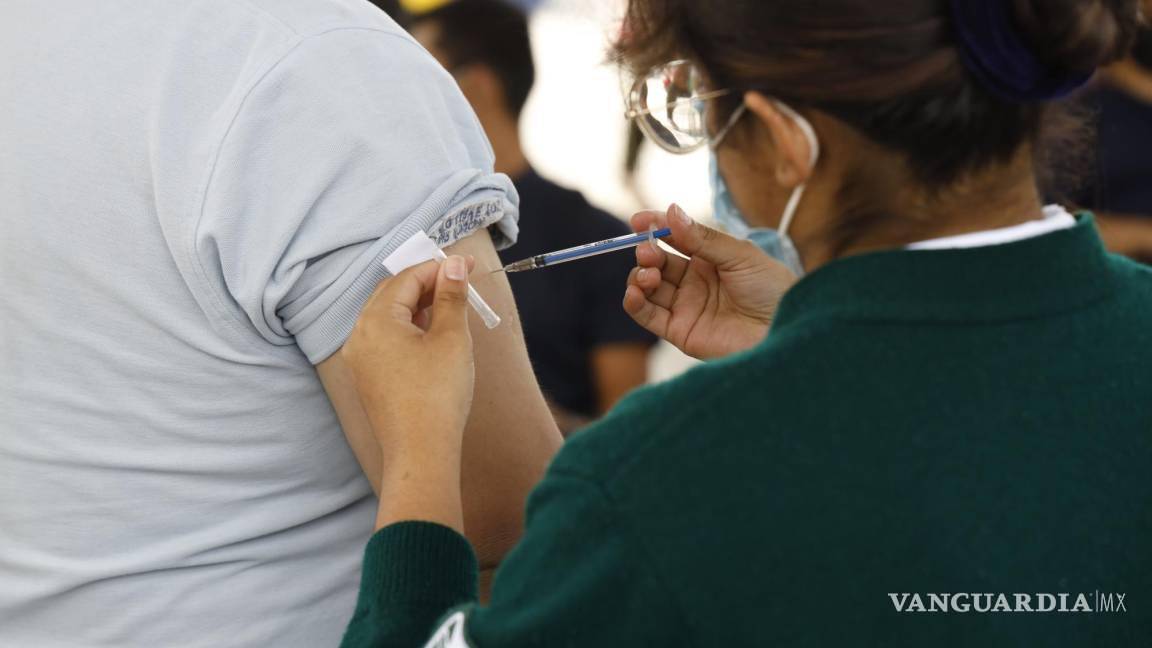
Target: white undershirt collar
pixel 1055 218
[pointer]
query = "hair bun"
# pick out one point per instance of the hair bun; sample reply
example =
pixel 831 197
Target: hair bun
pixel 1079 35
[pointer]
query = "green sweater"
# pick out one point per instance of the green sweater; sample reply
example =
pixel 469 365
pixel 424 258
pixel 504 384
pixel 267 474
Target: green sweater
pixel 965 421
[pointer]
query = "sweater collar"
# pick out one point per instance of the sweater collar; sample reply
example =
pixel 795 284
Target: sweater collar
pixel 1038 276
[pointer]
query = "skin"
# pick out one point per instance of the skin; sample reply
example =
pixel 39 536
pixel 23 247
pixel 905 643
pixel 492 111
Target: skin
pixel 765 159
pixel 616 368
pixel 422 449
pixel 714 298
pixel 430 361
pixel 509 437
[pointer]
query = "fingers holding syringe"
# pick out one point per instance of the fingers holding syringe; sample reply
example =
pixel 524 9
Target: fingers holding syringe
pixel 672 267
pixel 645 278
pixel 648 219
pixel 653 286
pixel 649 255
pixel 647 314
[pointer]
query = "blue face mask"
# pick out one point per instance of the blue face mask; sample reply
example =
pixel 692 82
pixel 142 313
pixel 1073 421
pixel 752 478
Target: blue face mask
pixel 776 243
pixel 778 246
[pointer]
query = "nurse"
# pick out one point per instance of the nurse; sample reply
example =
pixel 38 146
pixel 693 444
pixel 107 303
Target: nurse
pixel 941 427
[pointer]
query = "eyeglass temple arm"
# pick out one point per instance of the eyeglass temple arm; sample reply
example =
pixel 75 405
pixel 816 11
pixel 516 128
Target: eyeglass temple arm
pixel 715 140
pixel 633 113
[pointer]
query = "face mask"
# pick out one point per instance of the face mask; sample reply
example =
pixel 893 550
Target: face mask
pixel 775 242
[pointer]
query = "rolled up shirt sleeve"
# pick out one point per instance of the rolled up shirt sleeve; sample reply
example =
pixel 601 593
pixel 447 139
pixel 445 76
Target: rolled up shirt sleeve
pixel 352 142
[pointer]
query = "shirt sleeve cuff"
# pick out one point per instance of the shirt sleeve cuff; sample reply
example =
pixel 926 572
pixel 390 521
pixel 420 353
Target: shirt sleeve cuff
pixel 413 573
pixel 448 215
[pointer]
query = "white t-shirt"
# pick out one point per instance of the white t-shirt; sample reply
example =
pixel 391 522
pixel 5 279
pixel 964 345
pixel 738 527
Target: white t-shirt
pixel 194 199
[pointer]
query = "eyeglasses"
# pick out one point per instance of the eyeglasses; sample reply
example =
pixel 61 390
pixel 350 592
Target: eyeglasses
pixel 670 107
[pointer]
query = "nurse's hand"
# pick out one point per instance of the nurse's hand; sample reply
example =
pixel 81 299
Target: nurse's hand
pixel 720 300
pixel 411 357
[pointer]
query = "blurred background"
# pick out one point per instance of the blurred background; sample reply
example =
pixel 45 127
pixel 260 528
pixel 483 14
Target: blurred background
pixel 574 131
pixel 576 85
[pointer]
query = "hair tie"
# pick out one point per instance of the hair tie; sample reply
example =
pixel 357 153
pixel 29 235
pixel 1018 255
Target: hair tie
pixel 994 51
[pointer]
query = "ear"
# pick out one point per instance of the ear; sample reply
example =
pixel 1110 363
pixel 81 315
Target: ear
pixel 794 152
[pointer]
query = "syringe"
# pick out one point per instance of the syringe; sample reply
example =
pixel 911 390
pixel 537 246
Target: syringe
pixel 584 251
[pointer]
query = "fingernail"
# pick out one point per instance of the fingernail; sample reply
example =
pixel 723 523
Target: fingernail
pixel 679 214
pixel 643 272
pixel 455 268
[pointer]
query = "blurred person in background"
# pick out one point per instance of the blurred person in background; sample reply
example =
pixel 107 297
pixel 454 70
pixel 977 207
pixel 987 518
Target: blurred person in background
pixel 1120 190
pixel 947 410
pixel 586 351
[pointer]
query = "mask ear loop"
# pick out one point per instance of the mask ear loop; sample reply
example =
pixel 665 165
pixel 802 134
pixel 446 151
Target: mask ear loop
pixel 814 145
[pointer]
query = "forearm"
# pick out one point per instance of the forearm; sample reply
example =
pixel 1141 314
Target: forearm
pixel 421 484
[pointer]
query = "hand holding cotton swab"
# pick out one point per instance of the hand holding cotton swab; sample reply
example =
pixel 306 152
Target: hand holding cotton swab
pixel 418 249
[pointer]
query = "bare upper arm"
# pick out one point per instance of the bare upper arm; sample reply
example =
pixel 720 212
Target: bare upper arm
pixel 511 436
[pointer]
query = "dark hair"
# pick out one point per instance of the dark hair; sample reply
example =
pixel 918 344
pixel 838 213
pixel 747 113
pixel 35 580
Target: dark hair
pixel 492 33
pixel 890 69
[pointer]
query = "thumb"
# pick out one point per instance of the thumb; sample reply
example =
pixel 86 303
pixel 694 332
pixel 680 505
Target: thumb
pixel 695 240
pixel 450 305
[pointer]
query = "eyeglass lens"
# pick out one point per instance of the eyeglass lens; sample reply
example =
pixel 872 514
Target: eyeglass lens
pixel 672 112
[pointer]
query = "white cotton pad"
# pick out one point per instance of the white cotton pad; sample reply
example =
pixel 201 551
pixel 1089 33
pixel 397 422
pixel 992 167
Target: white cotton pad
pixel 419 249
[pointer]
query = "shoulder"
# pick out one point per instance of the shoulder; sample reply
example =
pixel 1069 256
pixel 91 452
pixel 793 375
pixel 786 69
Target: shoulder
pixel 368 75
pixel 255 30
pixel 313 17
pixel 354 39
pixel 265 37
pixel 245 54
pixel 1134 280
